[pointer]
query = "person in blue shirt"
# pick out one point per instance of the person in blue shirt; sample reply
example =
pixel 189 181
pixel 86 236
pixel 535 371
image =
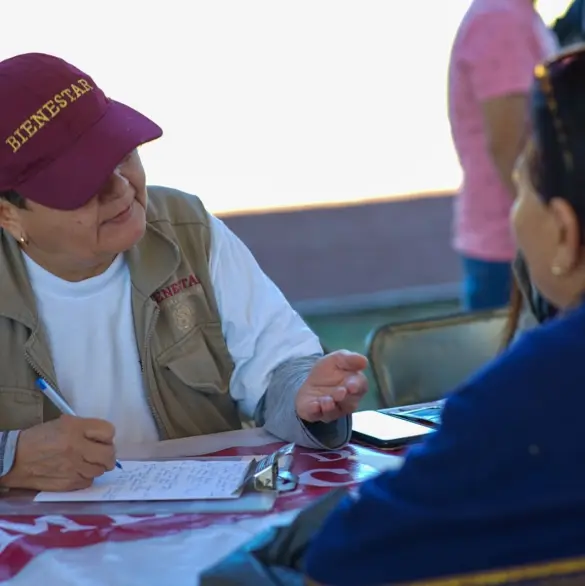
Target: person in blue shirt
pixel 502 482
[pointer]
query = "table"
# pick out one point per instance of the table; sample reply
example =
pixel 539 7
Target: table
pixel 123 550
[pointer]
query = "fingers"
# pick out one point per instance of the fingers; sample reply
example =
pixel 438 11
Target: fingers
pixel 350 361
pixel 337 401
pixel 322 409
pixel 311 411
pixel 98 430
pixel 345 399
pixel 99 454
pixel 327 405
pixel 96 459
pixel 90 471
pixel 330 409
pixel 79 483
pixel 356 384
pixel 350 405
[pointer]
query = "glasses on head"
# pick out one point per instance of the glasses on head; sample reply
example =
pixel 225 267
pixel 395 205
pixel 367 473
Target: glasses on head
pixel 544 74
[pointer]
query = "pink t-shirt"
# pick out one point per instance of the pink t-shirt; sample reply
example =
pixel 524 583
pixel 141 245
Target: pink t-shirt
pixel 496 48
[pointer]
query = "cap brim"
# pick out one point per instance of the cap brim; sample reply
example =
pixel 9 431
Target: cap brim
pixel 77 174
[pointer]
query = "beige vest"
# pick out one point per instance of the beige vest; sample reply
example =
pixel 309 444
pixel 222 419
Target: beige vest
pixel 185 361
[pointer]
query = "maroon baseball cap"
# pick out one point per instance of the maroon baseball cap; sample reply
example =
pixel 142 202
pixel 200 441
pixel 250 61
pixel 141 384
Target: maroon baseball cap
pixel 60 136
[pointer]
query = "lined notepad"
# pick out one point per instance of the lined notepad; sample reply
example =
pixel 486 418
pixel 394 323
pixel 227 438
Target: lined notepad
pixel 161 481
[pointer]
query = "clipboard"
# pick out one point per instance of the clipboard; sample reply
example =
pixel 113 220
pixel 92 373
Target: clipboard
pixel 272 473
pixel 266 478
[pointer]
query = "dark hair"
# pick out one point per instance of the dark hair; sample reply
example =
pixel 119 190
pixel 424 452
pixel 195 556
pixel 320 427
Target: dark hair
pixel 569 27
pixel 14 198
pixel 540 308
pixel 556 157
pixel 513 320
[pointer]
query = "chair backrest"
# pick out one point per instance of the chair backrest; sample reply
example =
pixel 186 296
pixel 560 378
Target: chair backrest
pixel 563 572
pixel 421 361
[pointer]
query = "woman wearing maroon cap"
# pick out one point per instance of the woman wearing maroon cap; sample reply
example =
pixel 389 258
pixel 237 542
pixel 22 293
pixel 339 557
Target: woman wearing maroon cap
pixel 141 310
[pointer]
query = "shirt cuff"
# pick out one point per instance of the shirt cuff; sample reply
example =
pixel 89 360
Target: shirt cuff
pixel 8 441
pixel 276 411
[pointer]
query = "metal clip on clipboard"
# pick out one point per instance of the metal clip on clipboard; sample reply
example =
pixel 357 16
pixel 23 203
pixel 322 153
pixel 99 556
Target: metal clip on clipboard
pixel 272 473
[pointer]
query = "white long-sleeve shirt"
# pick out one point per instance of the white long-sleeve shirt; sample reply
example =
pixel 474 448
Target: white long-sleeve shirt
pixel 260 327
pixel 95 352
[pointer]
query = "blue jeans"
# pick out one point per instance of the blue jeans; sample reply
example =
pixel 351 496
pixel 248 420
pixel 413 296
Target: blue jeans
pixel 486 284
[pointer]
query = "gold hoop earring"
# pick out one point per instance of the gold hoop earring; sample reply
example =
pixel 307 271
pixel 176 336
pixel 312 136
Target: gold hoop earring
pixel 23 241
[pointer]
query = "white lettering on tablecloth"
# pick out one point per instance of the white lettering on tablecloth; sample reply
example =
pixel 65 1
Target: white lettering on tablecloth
pixel 6 539
pixel 10 531
pixel 41 524
pixel 334 456
pixel 119 520
pixel 307 477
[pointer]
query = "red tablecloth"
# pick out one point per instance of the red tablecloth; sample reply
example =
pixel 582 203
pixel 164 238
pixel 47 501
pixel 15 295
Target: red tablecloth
pixel 29 540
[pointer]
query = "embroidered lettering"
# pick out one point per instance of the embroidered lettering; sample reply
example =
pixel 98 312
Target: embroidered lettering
pixel 46 113
pixel 174 288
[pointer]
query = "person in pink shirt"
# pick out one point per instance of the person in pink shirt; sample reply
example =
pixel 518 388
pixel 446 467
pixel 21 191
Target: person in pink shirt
pixel 496 48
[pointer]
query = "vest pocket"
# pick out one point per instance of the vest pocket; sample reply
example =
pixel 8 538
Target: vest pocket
pixel 198 360
pixel 20 408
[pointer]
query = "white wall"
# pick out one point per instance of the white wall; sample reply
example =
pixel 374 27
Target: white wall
pixel 267 103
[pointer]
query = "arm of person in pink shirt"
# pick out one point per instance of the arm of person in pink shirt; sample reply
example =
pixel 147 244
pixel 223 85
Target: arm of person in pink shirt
pixel 500 61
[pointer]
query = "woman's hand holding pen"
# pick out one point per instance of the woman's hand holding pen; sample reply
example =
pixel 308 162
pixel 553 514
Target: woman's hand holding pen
pixel 62 455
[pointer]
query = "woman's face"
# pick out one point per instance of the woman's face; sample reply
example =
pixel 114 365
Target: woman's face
pixel 549 237
pixel 109 223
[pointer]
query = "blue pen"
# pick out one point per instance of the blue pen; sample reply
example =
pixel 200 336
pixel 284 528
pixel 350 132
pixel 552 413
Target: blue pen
pixel 59 402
